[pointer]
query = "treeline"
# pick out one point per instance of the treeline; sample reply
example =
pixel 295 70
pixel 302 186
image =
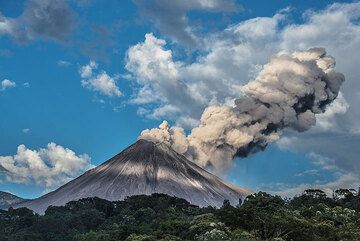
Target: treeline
pixel 311 216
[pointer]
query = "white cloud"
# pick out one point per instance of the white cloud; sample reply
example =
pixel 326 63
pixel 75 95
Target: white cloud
pixel 63 63
pixel 48 167
pixel 342 181
pixel 277 99
pixel 337 29
pixel 26 130
pixel 86 71
pixel 327 120
pixel 213 79
pixel 159 76
pixel 145 95
pixel 311 172
pixel 7 84
pixel 166 110
pixel 101 82
pixel 170 17
pixel 334 138
pixel 234 56
pixel 231 59
pixel 337 149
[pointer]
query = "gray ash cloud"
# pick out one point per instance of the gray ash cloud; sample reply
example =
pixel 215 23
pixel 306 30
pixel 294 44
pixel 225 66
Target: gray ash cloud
pixel 288 93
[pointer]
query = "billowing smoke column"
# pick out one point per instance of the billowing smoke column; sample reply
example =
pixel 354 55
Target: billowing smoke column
pixel 287 93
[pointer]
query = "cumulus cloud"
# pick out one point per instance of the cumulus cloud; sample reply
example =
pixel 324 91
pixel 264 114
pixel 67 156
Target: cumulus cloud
pixel 215 78
pixel 48 167
pixel 49 19
pixel 157 73
pixel 7 84
pixel 100 82
pixel 231 58
pixel 287 93
pixel 190 88
pixel 171 19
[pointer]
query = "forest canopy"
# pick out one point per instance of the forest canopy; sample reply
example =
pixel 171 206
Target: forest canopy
pixel 261 216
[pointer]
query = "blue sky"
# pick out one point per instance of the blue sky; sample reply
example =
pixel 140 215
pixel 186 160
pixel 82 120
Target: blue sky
pixel 50 103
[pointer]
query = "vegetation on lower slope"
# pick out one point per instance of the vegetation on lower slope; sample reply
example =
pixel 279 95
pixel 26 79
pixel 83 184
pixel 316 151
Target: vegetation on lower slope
pixel 311 216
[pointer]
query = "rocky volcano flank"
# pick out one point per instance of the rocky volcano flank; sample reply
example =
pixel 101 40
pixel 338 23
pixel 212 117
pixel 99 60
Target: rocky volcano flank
pixel 7 200
pixel 144 168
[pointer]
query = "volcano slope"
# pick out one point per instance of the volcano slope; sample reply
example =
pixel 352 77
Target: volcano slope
pixel 144 168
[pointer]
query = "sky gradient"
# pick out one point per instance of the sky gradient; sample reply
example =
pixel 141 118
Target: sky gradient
pixel 69 76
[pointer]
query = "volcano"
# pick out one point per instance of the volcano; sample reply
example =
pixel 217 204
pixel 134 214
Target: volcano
pixel 7 200
pixel 144 168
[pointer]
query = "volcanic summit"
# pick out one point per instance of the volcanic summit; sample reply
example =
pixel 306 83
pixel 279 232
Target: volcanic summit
pixel 144 168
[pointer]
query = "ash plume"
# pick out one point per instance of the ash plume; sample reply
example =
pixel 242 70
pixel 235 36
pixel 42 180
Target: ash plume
pixel 289 91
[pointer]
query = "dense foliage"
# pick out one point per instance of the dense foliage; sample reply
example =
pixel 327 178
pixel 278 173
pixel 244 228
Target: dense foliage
pixel 311 216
